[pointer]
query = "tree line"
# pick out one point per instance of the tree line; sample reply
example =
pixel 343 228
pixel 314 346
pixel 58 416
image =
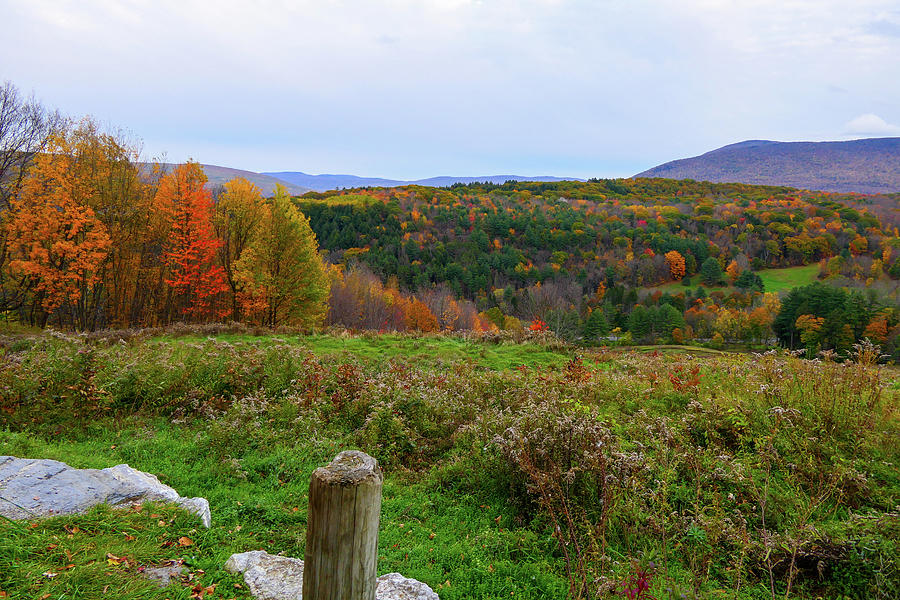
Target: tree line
pixel 93 238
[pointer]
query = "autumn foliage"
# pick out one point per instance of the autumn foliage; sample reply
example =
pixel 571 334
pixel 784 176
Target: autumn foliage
pixel 676 264
pixel 92 239
pixel 55 238
pixel 538 325
pixel 194 277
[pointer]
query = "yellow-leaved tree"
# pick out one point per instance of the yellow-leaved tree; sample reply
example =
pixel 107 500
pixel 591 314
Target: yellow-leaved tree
pixel 239 210
pixel 283 277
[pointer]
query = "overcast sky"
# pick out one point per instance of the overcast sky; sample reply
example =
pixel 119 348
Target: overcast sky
pixel 416 88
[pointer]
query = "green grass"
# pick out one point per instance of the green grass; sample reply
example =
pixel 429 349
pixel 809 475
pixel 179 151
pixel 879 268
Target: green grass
pixel 435 350
pixel 262 504
pixel 782 280
pixel 674 349
pixel 667 457
pixel 774 280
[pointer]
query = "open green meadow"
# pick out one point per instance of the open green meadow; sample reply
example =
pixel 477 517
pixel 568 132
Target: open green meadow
pixel 783 280
pixel 514 468
pixel 775 280
pixel 427 350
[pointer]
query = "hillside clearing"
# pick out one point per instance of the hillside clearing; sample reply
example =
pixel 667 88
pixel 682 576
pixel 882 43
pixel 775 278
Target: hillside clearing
pixel 775 280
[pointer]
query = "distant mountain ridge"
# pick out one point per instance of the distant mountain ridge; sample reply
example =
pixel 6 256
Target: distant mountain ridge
pixel 325 182
pixel 220 175
pixel 867 166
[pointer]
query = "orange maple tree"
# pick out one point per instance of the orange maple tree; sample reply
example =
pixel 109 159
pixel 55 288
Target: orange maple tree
pixel 418 316
pixel 733 270
pixel 877 329
pixel 56 240
pixel 193 275
pixel 676 264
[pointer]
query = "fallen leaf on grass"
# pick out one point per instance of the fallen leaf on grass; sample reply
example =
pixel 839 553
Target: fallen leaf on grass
pixel 185 541
pixel 128 538
pixel 112 559
pixel 198 591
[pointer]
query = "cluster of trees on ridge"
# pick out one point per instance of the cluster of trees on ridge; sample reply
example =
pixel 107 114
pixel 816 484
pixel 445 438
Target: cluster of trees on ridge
pixel 93 238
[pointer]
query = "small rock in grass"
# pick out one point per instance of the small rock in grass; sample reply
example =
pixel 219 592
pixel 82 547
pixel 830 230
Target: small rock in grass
pixel 270 577
pixel 394 586
pixel 164 574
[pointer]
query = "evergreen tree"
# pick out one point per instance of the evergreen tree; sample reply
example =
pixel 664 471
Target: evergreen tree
pixel 640 322
pixel 668 318
pixel 595 325
pixel 748 280
pixel 710 271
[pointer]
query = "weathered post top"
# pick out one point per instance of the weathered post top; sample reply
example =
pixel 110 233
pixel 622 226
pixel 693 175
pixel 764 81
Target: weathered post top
pixel 350 467
pixel 342 529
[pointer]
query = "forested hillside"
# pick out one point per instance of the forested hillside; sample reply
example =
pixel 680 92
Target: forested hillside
pixel 578 257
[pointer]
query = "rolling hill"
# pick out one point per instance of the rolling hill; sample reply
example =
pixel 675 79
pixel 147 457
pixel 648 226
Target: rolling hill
pixel 326 182
pixel 868 166
pixel 219 175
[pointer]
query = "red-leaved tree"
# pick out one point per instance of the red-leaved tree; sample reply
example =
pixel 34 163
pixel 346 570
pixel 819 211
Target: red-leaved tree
pixel 196 282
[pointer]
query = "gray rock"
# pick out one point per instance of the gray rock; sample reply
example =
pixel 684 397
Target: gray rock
pixel 394 586
pixel 42 488
pixel 164 574
pixel 270 577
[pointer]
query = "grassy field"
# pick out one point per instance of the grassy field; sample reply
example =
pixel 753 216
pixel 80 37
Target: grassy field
pixel 775 280
pixel 782 280
pixel 433 350
pixel 532 475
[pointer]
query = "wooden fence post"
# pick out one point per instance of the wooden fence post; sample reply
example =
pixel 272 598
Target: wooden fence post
pixel 342 529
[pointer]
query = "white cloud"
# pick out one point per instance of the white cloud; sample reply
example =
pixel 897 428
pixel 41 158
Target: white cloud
pixel 870 125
